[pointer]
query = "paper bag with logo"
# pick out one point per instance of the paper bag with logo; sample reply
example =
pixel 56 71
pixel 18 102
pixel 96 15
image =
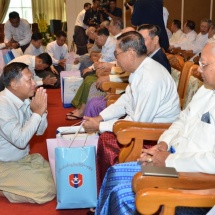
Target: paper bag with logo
pixel 76 177
pixel 70 82
pixel 65 135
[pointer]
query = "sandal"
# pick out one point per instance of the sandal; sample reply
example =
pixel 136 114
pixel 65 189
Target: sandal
pixel 72 117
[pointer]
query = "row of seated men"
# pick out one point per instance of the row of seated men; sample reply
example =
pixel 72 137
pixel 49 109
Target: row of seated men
pixel 151 96
pixel 143 100
pixel 188 41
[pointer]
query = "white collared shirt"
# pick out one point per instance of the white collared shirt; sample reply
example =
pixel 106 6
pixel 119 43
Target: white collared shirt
pixel 57 52
pixel 80 18
pixel 18 125
pixel 32 50
pixel 151 96
pixel 21 34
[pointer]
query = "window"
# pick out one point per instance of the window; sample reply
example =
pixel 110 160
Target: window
pixel 23 7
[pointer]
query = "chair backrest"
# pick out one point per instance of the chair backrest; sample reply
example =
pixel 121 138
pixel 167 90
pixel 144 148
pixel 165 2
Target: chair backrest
pixel 177 64
pixel 132 136
pixel 188 190
pixel 193 83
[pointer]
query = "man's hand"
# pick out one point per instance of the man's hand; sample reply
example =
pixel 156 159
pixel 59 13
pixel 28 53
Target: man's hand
pixel 91 124
pixel 39 102
pixel 49 80
pixel 14 45
pixel 155 156
pixel 62 62
pixel 8 45
pixel 54 70
pixel 76 61
pixel 100 80
pixel 86 70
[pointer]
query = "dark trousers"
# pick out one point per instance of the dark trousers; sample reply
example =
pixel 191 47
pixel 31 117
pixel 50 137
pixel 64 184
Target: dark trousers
pixel 80 38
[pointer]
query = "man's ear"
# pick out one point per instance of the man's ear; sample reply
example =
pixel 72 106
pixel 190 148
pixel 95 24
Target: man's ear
pixel 156 39
pixel 13 84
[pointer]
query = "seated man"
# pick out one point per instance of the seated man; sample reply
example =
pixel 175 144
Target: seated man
pixel 150 34
pixel 176 31
pixel 58 51
pixel 17 31
pixel 201 38
pixel 24 177
pixel 151 96
pixel 188 145
pixel 35 47
pixel 187 38
pixel 108 44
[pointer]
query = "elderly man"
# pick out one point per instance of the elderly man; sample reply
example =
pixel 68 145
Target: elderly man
pixel 190 140
pixel 108 44
pixel 24 177
pixel 151 96
pixel 151 35
pixel 17 31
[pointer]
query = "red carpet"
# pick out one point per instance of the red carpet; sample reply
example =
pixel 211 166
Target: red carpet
pixel 56 118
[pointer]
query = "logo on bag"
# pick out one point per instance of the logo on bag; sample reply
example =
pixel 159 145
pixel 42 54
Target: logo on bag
pixel 76 180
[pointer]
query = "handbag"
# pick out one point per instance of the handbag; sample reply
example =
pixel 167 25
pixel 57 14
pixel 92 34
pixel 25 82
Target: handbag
pixel 72 162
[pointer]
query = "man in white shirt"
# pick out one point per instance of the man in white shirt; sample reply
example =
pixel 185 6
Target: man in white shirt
pixel 39 63
pixel 80 36
pixel 188 37
pixel 17 31
pixel 201 38
pixel 151 96
pixel 176 31
pixel 35 47
pixel 58 51
pixel 188 146
pixel 24 177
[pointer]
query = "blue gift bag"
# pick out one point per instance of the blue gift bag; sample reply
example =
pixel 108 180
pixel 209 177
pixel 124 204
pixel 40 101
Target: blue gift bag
pixel 8 57
pixel 76 177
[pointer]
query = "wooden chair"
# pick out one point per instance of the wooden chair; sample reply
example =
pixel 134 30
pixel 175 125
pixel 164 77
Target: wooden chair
pixel 113 87
pixel 133 143
pixel 153 192
pixel 177 65
pixel 188 190
pixel 193 81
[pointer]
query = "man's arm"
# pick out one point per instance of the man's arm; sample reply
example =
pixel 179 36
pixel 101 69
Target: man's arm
pixel 27 32
pixel 7 33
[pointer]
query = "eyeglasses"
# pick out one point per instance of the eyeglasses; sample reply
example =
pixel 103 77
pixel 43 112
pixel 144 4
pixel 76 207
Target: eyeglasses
pixel 202 66
pixel 116 54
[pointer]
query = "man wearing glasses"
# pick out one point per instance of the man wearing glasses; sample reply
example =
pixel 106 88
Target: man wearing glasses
pixel 151 96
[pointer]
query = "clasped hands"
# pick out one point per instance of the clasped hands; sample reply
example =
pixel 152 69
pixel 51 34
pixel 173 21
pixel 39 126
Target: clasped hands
pixel 39 102
pixel 154 156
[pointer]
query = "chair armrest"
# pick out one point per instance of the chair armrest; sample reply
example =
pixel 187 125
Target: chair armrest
pixel 122 124
pixel 185 180
pixel 132 136
pixel 111 87
pixel 148 201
